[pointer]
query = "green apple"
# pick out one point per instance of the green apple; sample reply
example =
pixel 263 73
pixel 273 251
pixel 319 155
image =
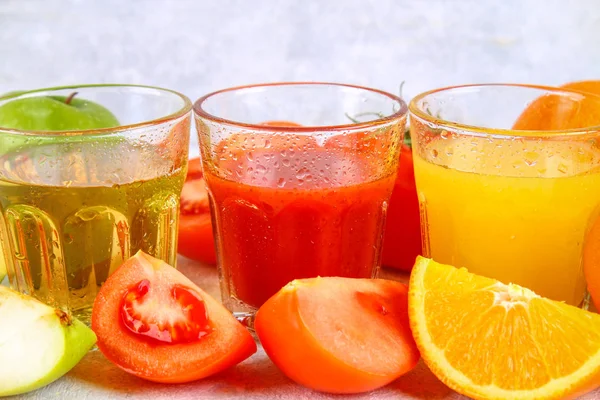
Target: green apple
pixel 38 344
pixel 55 113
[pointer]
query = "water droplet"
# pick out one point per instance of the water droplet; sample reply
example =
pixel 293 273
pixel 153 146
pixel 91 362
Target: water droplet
pixel 68 238
pixel 261 169
pixel 267 143
pixel 250 156
pixel 285 162
pixel 563 168
pixel 444 134
pixel 281 182
pixel 434 153
pixel 303 173
pixel 531 158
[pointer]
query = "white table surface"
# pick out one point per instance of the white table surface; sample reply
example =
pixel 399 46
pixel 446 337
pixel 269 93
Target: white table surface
pixel 199 46
pixel 95 378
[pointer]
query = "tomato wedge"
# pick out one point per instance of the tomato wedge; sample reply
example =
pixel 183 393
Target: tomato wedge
pixel 195 239
pixel 339 335
pixel 155 323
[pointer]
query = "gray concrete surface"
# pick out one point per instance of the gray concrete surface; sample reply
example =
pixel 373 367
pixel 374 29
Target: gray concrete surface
pixel 196 46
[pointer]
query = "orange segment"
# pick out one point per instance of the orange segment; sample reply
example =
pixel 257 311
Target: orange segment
pixel 488 340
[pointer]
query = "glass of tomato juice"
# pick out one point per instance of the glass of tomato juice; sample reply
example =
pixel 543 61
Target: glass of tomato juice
pixel 299 177
pixel 508 181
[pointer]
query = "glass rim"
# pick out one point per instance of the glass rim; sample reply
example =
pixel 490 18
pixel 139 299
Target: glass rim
pixel 185 109
pixel 474 130
pixel 199 111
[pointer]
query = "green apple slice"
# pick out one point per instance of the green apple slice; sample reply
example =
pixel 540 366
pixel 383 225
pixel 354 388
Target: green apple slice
pixel 38 344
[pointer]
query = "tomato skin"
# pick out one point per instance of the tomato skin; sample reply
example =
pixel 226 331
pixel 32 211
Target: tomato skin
pixel 196 238
pixel 227 344
pixel 281 124
pixel 195 233
pixel 291 339
pixel 402 236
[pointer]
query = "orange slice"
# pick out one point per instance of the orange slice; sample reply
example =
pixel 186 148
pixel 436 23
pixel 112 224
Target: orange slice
pixel 584 86
pixel 488 340
pixel 554 111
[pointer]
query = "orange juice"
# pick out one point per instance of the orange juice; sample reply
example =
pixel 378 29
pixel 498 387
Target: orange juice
pixel 511 209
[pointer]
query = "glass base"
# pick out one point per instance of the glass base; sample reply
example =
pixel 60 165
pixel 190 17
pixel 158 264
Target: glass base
pixel 241 311
pixel 587 300
pixel 84 315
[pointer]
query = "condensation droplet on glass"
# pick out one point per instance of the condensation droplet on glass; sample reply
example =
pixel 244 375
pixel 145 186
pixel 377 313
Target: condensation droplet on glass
pixel 267 143
pixel 531 158
pixel 281 182
pixel 434 153
pixel 303 173
pixel 285 162
pixel 261 169
pixel 563 168
pixel 68 238
pixel 444 134
pixel 250 156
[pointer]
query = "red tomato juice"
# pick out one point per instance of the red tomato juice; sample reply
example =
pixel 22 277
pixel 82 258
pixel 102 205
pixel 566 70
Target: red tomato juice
pixel 285 216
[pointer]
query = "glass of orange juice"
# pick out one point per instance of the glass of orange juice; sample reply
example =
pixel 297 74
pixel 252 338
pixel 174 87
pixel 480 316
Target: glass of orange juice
pixel 508 179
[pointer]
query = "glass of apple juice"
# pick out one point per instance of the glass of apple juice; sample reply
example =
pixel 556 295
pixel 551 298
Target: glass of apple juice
pixel 92 175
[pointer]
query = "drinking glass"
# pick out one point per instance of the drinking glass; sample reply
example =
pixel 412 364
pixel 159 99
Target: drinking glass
pixel 76 204
pixel 299 176
pixel 508 180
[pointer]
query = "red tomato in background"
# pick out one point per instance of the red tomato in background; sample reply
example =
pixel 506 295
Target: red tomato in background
pixel 339 335
pixel 195 239
pixel 402 237
pixel 154 323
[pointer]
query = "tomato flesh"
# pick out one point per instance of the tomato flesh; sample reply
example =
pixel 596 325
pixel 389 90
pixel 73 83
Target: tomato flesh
pixel 185 323
pixel 339 335
pixel 153 322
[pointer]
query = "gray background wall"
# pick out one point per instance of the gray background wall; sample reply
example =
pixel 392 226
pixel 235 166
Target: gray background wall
pixel 196 46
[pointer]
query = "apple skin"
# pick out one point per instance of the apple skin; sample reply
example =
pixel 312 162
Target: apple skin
pixel 55 113
pixel 38 344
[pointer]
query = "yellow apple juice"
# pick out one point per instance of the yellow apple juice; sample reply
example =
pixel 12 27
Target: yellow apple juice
pixel 513 210
pixel 72 213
